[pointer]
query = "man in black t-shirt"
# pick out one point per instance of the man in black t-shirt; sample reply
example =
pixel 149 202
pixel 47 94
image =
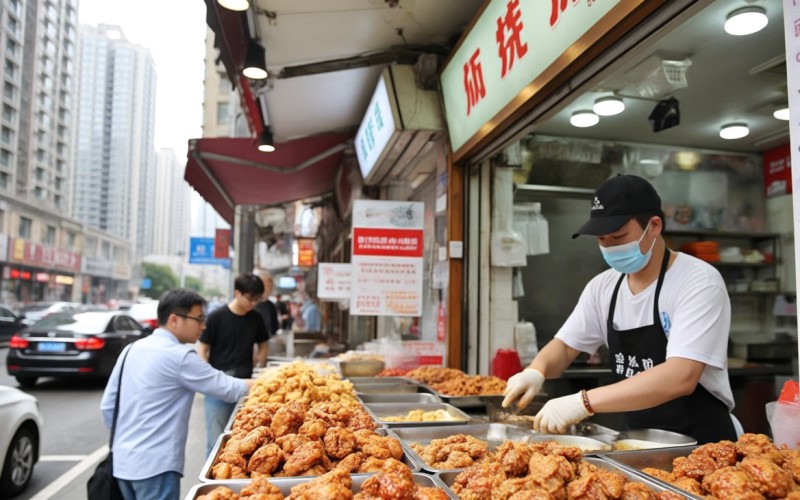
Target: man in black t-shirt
pixel 227 344
pixel 266 308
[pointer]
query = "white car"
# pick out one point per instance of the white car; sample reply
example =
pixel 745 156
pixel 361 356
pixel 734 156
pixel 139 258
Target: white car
pixel 20 424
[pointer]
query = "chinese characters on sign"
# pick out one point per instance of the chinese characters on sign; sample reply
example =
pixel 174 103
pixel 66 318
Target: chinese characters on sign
pixel 388 240
pixel 333 281
pixel 376 129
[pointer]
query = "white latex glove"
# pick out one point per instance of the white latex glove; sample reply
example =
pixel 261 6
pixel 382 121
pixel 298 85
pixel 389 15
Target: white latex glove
pixel 559 414
pixel 527 384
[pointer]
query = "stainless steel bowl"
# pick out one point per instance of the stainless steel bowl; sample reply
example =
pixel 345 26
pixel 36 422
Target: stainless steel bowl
pixel 645 439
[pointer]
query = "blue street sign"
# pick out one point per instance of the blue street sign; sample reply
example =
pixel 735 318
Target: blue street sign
pixel 201 251
pixel 146 284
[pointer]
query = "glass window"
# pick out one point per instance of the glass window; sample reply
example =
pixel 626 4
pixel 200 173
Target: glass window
pixel 25 226
pixel 223 113
pixel 50 235
pixel 70 239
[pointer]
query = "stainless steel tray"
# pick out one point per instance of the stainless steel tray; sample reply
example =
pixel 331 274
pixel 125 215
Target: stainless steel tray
pixel 404 386
pixel 464 402
pixel 449 477
pixel 399 397
pixel 645 439
pixel 380 410
pixel 380 380
pixel 205 472
pixel 285 484
pixel 659 458
pixel 493 433
pixel 587 444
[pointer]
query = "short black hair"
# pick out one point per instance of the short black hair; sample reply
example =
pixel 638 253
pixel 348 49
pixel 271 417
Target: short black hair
pixel 249 284
pixel 178 301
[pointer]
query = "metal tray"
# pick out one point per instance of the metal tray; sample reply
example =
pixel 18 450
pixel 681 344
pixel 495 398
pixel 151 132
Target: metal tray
pixel 380 380
pixel 222 440
pixel 380 410
pixel 659 458
pixel 399 397
pixel 493 433
pixel 448 478
pixel 285 484
pixel 464 402
pixel 406 387
pixel 587 444
pixel 646 439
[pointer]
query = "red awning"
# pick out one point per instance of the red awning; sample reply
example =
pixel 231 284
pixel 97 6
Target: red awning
pixel 232 171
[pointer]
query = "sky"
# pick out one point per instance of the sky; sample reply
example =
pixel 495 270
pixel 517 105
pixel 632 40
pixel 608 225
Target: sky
pixel 174 31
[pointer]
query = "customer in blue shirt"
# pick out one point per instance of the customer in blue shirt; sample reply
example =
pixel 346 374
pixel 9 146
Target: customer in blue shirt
pixel 161 376
pixel 309 315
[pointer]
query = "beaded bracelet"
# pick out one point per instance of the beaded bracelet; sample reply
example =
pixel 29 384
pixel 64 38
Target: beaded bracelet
pixel 585 398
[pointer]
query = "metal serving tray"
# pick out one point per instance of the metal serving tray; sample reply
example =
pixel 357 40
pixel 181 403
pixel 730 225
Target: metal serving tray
pixel 659 458
pixel 646 439
pixel 222 440
pixel 494 434
pixel 587 444
pixel 449 477
pixel 380 410
pixel 464 402
pixel 399 397
pixel 404 386
pixel 380 380
pixel 285 484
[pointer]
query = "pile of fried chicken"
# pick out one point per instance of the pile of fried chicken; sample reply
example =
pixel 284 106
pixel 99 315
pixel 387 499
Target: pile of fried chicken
pixel 751 468
pixel 452 382
pixel 300 381
pixel 546 470
pixel 393 481
pixel 298 439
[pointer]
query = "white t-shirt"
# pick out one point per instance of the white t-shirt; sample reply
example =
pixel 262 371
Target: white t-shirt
pixel 695 314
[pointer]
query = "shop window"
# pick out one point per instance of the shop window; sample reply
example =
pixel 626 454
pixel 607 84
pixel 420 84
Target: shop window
pixel 223 113
pixel 70 239
pixel 25 226
pixel 49 237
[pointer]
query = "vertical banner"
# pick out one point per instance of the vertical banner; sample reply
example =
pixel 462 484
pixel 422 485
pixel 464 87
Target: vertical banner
pixel 388 239
pixel 791 27
pixel 222 243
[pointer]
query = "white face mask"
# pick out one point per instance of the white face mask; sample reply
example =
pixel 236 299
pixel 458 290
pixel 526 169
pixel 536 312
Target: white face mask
pixel 627 258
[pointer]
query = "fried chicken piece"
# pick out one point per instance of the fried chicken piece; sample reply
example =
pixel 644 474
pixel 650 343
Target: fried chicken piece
pixel 599 484
pixel 668 495
pixel 791 463
pixel 260 488
pixel 693 466
pixel 519 488
pixel 371 464
pixel 233 458
pixel 289 418
pixel 689 484
pixel 429 493
pixel 770 479
pixel 291 442
pixel 220 493
pixel 313 428
pixel 339 442
pixel 351 462
pixel 254 440
pixel 306 456
pixel 514 458
pixel 731 482
pixel 637 491
pixel 660 474
pixel 266 459
pixel 372 444
pixel 394 480
pixel 334 485
pixel 225 470
pixel 546 472
pixel 723 453
pixel 478 481
pixel 361 420
pixel 571 453
pixel 453 452
pixel 256 415
pixel 750 444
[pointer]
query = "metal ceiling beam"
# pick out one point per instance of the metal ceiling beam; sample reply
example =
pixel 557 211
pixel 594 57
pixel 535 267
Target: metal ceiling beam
pixel 402 55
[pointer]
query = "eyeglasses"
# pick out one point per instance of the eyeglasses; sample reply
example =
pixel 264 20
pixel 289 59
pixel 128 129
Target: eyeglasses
pixel 201 319
pixel 251 298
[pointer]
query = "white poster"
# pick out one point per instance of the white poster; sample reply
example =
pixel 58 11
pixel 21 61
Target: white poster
pixel 333 281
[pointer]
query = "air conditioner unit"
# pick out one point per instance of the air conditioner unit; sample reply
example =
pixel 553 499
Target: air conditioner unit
pixel 400 122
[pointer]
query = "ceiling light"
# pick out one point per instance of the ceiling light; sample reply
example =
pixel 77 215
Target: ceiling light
pixel 746 21
pixel 266 144
pixel 782 113
pixel 734 131
pixel 584 118
pixel 608 106
pixel 238 5
pixel 255 67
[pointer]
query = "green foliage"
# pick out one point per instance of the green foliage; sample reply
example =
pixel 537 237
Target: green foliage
pixel 162 277
pixel 193 283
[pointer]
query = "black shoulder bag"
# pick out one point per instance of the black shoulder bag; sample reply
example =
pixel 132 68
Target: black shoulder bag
pixel 103 485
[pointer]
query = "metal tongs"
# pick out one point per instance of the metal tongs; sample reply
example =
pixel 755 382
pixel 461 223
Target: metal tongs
pixel 590 429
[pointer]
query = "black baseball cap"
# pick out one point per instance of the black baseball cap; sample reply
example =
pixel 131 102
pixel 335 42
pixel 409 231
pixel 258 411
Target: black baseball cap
pixel 616 201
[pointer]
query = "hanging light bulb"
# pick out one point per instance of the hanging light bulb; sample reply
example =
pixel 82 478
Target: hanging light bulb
pixel 608 106
pixel 237 5
pixel 266 143
pixel 255 67
pixel 734 131
pixel 584 118
pixel 746 21
pixel 782 113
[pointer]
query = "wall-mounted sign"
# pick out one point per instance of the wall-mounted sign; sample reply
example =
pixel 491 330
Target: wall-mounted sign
pixel 333 280
pixel 222 243
pixel 304 252
pixel 201 251
pixel 35 254
pixel 376 129
pixel 388 241
pixel 777 171
pixel 504 54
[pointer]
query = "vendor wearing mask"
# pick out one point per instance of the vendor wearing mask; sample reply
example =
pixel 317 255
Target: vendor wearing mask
pixel 663 315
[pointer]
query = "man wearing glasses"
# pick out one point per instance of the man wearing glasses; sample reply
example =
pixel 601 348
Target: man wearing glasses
pixel 227 344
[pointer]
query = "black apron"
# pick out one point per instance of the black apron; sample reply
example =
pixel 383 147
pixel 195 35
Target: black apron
pixel 700 414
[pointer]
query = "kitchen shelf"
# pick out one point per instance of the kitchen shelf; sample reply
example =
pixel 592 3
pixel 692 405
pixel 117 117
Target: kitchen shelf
pixel 753 265
pixel 721 235
pixel 535 192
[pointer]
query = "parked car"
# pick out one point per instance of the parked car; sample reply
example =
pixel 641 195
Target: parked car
pixel 33 312
pixel 20 422
pixel 82 344
pixel 145 313
pixel 10 322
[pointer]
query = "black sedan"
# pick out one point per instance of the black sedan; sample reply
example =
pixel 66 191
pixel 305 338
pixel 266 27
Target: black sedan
pixel 71 345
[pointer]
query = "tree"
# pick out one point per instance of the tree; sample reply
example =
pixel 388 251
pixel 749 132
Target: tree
pixel 194 283
pixel 161 277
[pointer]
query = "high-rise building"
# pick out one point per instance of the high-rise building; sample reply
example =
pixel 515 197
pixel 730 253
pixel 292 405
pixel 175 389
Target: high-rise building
pixel 171 201
pixel 114 176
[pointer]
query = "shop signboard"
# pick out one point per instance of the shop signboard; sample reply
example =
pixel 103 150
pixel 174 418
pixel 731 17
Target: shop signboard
pixel 222 243
pixel 333 281
pixel 201 251
pixel 303 252
pixel 376 129
pixel 97 267
pixel 777 171
pixel 37 255
pixel 512 50
pixel 388 238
